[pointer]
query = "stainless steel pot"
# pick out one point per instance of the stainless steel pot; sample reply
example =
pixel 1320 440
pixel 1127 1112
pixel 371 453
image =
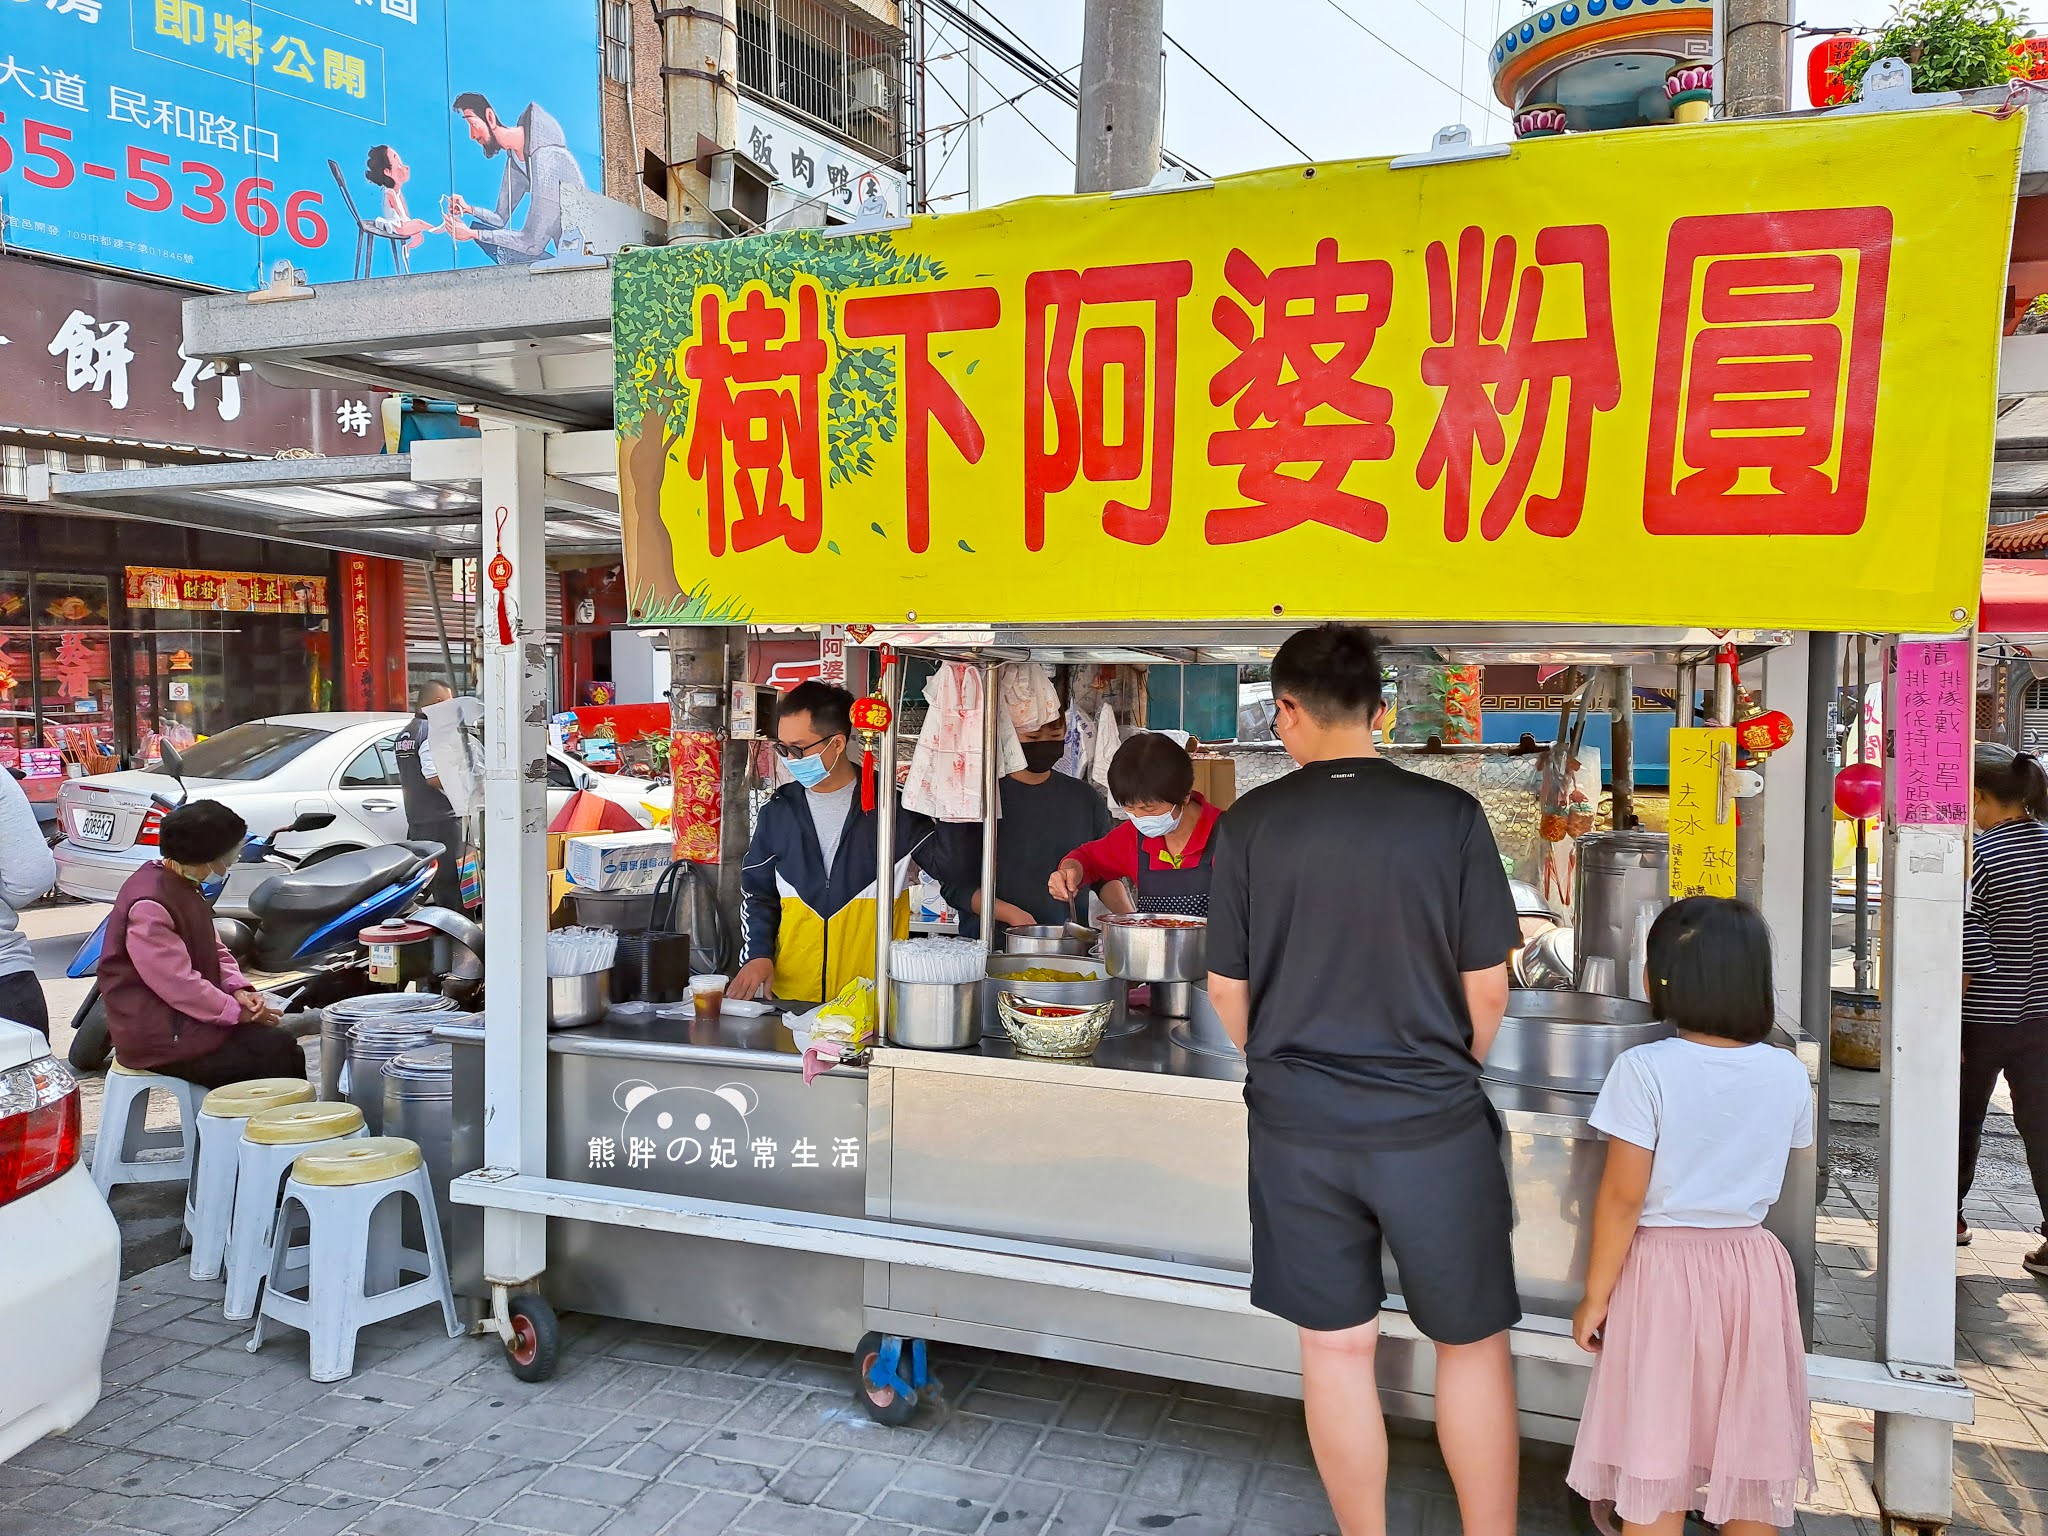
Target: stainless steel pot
pixel 1172 999
pixel 1141 951
pixel 1622 884
pixel 1050 939
pixel 338 1023
pixel 578 1000
pixel 1205 1028
pixel 934 1015
pixel 1076 994
pixel 1567 1041
pixel 375 1043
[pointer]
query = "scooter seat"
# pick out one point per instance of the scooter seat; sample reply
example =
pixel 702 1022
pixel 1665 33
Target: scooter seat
pixel 331 887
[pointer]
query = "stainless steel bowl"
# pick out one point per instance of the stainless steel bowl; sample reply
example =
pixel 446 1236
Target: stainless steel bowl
pixel 1110 989
pixel 1141 951
pixel 1546 961
pixel 1050 939
pixel 934 1015
pixel 1567 1041
pixel 577 1000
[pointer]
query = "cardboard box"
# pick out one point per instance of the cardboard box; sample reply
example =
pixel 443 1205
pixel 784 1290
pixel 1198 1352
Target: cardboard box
pixel 1216 780
pixel 617 861
pixel 561 911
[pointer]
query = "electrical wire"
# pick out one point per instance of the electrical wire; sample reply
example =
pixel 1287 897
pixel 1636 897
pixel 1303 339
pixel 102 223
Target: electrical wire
pixel 1415 63
pixel 1229 91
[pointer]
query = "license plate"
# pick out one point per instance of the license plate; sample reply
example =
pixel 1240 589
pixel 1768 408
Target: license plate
pixel 96 826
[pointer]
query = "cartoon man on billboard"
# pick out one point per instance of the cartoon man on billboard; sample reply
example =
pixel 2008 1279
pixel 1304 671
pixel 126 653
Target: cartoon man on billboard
pixel 538 165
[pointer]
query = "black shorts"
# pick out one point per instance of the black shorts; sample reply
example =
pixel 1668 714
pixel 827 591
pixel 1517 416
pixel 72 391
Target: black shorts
pixel 1320 1210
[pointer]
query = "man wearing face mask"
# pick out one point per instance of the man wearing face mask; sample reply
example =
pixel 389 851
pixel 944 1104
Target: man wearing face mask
pixel 807 915
pixel 177 1004
pixel 1044 814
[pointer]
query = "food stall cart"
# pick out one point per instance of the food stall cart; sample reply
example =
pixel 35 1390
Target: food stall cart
pixel 1207 414
pixel 1539 419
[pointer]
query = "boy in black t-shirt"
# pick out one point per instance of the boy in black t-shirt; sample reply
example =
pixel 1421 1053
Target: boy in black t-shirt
pixel 1359 927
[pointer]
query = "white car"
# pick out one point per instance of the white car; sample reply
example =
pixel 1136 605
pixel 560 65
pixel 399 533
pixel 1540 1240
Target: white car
pixel 60 1250
pixel 271 772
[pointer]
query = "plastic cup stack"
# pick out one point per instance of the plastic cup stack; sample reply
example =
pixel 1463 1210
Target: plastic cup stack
pixel 580 951
pixel 944 962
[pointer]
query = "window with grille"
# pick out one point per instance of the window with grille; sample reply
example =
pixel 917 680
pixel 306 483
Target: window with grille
pixel 2034 719
pixel 842 72
pixel 618 40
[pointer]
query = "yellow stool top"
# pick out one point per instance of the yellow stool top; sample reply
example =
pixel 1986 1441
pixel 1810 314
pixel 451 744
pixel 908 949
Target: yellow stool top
pixel 238 1101
pixel 295 1123
pixel 125 1070
pixel 365 1160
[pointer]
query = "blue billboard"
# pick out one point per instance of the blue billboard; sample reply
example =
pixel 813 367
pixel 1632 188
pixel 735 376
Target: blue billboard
pixel 206 140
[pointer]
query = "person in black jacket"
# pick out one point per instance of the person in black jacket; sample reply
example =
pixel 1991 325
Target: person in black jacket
pixel 807 914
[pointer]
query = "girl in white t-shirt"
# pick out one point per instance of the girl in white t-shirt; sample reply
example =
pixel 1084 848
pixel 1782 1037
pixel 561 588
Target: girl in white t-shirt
pixel 1698 1400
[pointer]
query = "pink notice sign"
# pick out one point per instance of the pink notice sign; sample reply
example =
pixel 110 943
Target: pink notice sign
pixel 1933 707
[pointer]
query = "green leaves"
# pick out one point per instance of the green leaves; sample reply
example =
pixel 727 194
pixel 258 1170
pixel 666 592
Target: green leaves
pixel 1952 45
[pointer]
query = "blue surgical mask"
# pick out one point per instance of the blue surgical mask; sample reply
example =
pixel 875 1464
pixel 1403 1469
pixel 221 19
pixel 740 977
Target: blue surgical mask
pixel 808 771
pixel 1156 826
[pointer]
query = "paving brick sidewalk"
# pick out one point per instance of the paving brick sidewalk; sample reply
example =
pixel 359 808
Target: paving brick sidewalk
pixel 657 1432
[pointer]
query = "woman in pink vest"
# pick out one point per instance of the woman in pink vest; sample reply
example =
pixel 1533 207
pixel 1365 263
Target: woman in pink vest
pixel 176 1001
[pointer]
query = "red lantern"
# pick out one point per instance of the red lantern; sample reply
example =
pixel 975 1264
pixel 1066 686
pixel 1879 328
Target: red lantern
pixel 1824 88
pixel 1761 735
pixel 870 719
pixel 1859 791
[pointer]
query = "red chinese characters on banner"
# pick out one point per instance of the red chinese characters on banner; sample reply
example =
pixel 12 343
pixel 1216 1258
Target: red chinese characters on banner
pixel 1057 305
pixel 1764 408
pixel 359 652
pixel 1300 348
pixel 927 396
pixel 694 760
pixel 757 401
pixel 1487 365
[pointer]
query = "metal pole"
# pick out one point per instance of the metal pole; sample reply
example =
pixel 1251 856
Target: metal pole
pixel 1117 131
pixel 991 803
pixel 891 686
pixel 918 41
pixel 973 9
pixel 1622 737
pixel 1922 952
pixel 1817 904
pixel 515 850
pixel 1688 688
pixel 441 624
pixel 1862 827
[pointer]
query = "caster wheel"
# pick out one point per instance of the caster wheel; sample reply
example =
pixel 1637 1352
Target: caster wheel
pixel 885 1405
pixel 536 1345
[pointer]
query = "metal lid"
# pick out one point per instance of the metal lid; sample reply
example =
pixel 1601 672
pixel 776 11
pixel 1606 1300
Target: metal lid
pixel 383 1005
pixel 389 1037
pixel 426 1072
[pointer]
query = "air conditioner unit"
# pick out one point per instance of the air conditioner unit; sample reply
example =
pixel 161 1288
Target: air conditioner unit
pixel 739 192
pixel 873 91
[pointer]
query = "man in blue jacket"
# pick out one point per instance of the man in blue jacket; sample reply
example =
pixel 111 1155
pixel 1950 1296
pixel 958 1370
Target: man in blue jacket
pixel 808 914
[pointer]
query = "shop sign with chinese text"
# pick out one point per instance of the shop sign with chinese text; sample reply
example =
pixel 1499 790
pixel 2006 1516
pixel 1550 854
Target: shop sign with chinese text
pixel 204 140
pixel 1512 389
pixel 88 355
pixel 187 591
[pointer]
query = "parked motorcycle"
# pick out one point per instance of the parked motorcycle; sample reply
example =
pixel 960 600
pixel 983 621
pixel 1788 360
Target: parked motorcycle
pixel 293 931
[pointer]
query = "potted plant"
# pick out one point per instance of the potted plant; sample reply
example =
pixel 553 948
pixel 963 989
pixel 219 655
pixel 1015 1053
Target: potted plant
pixel 1952 45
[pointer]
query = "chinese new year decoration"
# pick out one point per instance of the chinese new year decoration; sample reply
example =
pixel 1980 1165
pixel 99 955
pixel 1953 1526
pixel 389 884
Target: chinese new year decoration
pixel 1859 791
pixel 175 590
pixel 74 667
pixel 870 719
pixel 1758 731
pixel 181 661
pixel 695 760
pixel 499 571
pixel 1397 393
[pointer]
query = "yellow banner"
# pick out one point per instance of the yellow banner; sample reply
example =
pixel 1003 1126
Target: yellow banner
pixel 1702 814
pixel 1733 375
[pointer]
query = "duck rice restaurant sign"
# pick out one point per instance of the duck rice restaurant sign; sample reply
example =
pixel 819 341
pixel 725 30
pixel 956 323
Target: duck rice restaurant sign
pixel 93 356
pixel 1506 389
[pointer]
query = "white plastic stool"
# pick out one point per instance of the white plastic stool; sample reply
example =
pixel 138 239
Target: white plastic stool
pixel 271 1139
pixel 117 1158
pixel 210 1194
pixel 353 1265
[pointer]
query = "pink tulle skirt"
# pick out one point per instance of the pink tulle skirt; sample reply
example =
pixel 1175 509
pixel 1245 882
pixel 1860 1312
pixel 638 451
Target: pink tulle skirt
pixel 1698 1399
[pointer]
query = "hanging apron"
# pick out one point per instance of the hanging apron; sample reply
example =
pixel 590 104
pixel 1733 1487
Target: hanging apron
pixel 1182 892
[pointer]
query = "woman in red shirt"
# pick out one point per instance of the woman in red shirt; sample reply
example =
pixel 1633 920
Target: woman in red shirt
pixel 1163 848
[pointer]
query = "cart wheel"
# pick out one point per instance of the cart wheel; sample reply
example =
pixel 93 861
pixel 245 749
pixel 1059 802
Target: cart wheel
pixel 536 1345
pixel 884 1404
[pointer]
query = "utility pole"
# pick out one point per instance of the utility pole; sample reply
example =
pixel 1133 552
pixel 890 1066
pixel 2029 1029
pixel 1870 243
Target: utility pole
pixel 701 103
pixel 1117 134
pixel 1756 56
pixel 700 94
